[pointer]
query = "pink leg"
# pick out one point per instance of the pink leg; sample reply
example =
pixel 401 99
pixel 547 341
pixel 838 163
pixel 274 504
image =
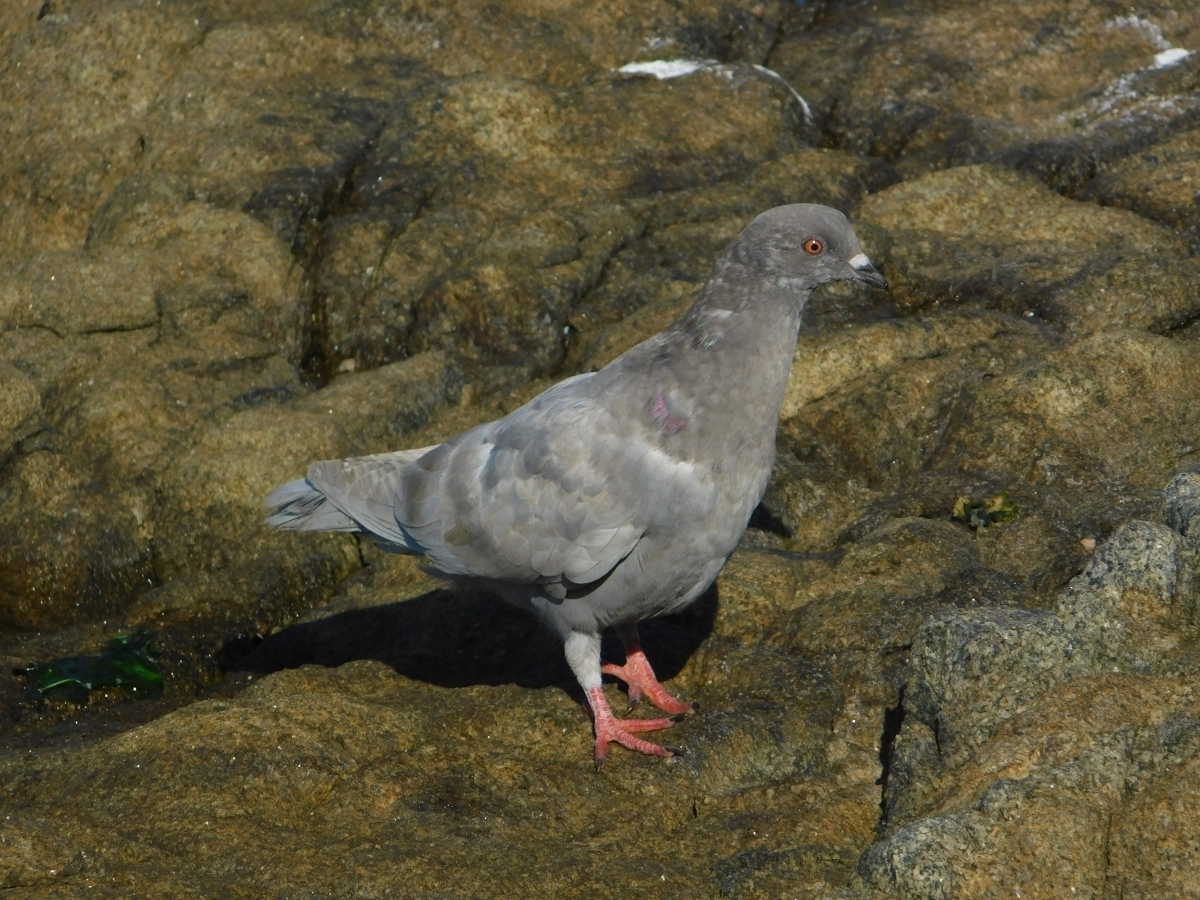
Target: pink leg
pixel 640 677
pixel 610 728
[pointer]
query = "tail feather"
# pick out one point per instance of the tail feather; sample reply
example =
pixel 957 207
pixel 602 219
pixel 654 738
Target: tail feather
pixel 347 495
pixel 299 506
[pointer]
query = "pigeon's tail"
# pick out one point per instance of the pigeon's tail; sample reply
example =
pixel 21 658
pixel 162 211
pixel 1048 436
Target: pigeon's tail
pixel 358 494
pixel 298 506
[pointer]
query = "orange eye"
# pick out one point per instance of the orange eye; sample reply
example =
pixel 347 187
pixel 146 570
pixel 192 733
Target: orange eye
pixel 813 246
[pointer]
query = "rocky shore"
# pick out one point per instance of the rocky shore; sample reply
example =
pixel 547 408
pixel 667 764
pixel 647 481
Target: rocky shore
pixel 242 237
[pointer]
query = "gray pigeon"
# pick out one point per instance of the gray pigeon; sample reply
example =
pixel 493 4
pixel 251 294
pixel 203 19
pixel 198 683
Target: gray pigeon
pixel 617 495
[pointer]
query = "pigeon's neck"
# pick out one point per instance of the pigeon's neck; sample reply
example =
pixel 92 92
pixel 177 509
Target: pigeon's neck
pixel 735 346
pixel 755 300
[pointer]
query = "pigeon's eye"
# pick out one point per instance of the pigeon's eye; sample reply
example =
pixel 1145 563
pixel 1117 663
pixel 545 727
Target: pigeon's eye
pixel 813 246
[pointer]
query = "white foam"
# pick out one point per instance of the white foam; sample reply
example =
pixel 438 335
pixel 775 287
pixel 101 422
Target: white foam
pixel 1170 57
pixel 1126 88
pixel 662 69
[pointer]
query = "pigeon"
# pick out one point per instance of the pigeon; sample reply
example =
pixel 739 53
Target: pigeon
pixel 615 495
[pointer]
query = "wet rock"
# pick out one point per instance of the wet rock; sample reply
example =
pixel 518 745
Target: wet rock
pixel 987 235
pixel 876 406
pixel 1148 293
pixel 33 853
pixel 825 364
pixel 188 319
pixel 504 218
pixel 94 74
pixel 388 762
pixel 1080 418
pixel 1159 182
pixel 20 407
pixel 1052 88
pixel 316 190
pixel 213 500
pixel 995 404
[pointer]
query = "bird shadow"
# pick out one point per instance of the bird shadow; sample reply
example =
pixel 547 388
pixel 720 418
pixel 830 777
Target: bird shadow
pixel 457 639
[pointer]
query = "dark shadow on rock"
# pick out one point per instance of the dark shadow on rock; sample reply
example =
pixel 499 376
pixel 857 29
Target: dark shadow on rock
pixel 460 639
pixel 670 641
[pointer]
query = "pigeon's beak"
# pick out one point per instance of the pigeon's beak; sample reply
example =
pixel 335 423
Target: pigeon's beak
pixel 864 271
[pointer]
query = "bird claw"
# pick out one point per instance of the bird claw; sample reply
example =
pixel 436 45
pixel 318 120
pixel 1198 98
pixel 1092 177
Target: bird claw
pixel 610 729
pixel 643 685
pixel 637 673
pixel 629 742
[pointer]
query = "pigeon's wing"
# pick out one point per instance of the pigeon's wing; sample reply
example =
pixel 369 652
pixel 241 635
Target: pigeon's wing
pixel 559 492
pixel 357 494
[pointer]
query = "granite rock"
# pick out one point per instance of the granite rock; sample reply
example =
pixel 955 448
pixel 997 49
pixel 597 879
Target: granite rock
pixel 224 221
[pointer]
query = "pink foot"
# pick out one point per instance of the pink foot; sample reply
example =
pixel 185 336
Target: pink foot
pixel 610 728
pixel 640 677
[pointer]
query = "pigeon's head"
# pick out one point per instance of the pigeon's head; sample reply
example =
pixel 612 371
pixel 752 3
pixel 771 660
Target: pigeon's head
pixel 803 245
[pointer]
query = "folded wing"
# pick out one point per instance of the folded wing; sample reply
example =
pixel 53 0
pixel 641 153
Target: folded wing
pixel 557 493
pixel 533 498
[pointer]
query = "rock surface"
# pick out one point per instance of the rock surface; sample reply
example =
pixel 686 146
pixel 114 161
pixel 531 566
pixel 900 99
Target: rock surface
pixel 243 238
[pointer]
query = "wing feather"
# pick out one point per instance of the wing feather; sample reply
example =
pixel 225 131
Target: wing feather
pixel 535 497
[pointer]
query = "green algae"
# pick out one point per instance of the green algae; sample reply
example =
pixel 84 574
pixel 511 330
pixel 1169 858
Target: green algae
pixel 982 513
pixel 130 663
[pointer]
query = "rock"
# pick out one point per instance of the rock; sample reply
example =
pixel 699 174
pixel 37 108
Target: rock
pixel 1159 182
pixel 1052 88
pixel 980 668
pixel 1050 778
pixel 916 862
pixel 987 235
pixel 888 421
pixel 1181 503
pixel 1148 293
pixel 34 855
pixel 1125 608
pixel 976 416
pixel 441 288
pixel 20 407
pixel 1019 735
pixel 193 302
pixel 213 502
pixel 1144 823
pixel 825 364
pixel 93 74
pixel 222 222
